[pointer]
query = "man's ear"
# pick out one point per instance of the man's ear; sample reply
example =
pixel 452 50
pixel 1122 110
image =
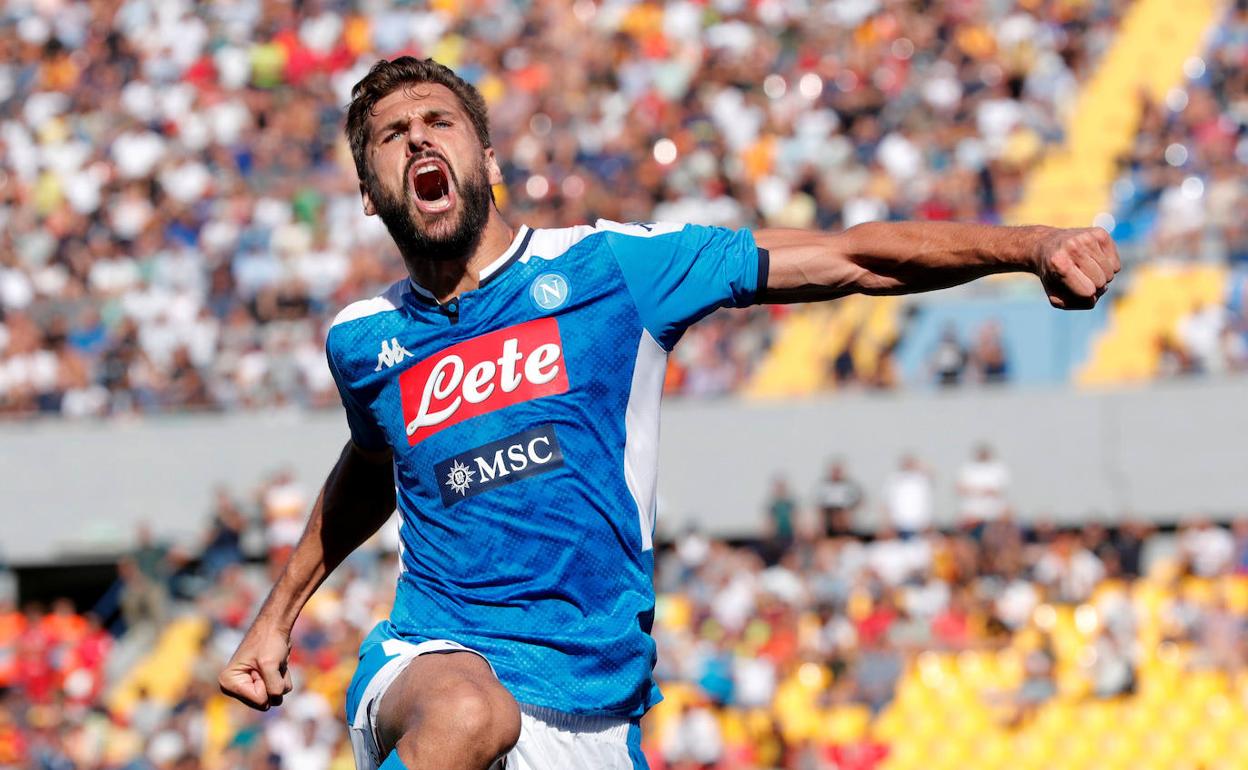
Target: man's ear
pixel 369 208
pixel 491 166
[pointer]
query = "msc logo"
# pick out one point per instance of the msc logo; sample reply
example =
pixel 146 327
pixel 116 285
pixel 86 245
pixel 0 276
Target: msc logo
pixel 549 291
pixel 391 353
pixel 498 463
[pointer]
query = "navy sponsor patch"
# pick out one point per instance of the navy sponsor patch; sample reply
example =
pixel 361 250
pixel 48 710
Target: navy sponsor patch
pixel 498 463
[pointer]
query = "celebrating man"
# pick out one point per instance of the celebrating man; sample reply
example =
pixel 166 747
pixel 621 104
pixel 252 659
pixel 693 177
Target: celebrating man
pixel 505 395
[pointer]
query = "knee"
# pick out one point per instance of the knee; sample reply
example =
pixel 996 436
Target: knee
pixel 485 721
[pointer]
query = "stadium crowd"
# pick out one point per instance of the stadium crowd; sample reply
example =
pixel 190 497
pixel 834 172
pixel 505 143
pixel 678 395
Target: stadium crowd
pixel 1182 184
pixel 838 600
pixel 1182 191
pixel 179 218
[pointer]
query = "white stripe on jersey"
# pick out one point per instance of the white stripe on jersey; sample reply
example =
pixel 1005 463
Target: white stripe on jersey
pixel 552 244
pixel 641 431
pixel 640 229
pixel 388 300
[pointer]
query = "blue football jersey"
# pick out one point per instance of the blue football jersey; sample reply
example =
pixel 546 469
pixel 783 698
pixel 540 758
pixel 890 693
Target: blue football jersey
pixel 524 420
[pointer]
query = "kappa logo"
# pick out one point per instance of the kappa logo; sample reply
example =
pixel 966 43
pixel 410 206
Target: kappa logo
pixel 481 375
pixel 391 353
pixel 549 291
pixel 499 463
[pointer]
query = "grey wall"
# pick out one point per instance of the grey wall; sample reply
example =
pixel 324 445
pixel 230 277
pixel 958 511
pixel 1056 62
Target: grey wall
pixel 1160 451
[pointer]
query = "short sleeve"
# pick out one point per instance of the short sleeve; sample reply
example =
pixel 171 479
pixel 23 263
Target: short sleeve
pixel 365 433
pixel 678 274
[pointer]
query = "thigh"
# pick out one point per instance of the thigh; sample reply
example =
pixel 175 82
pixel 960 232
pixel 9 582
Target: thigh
pixel 431 680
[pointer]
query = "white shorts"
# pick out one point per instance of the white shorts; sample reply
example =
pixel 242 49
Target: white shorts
pixel 549 740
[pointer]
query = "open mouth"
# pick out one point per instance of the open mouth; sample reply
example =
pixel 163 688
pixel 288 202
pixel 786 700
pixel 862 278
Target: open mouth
pixel 431 185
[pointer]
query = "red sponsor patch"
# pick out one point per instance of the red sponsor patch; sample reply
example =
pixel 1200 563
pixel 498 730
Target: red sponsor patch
pixel 480 375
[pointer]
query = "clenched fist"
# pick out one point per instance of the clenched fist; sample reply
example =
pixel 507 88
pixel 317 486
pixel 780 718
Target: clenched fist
pixel 257 674
pixel 1076 266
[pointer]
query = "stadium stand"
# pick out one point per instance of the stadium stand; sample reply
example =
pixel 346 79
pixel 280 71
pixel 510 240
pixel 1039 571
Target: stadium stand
pixel 178 222
pixel 1070 188
pixel 992 644
pixel 1145 336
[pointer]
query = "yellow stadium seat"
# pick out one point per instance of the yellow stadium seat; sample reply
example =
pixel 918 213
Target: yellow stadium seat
pixel 165 673
pixel 809 338
pixel 1070 185
pixel 1154 304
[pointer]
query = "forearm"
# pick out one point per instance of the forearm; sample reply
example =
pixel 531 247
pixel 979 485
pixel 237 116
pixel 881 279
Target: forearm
pixel 895 258
pixel 356 499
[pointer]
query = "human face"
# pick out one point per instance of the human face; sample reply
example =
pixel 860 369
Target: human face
pixel 429 177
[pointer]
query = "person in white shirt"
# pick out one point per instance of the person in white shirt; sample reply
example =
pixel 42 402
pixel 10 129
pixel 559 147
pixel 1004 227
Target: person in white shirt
pixel 908 497
pixel 982 485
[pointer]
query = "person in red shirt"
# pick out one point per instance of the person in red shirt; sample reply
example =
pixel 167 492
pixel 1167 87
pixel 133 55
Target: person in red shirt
pixel 12 624
pixel 951 628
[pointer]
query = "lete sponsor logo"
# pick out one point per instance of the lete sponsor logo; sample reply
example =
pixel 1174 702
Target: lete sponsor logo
pixel 498 463
pixel 480 375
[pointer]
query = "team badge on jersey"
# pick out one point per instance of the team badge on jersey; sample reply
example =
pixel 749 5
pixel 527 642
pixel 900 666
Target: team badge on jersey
pixel 549 291
pixel 499 463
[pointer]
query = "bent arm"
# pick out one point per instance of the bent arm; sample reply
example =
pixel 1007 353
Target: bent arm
pixel 355 501
pixel 906 257
pixel 357 498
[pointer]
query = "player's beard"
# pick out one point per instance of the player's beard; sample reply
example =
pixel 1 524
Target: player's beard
pixel 472 212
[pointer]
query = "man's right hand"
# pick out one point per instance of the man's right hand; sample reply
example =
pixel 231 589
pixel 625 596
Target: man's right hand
pixel 258 675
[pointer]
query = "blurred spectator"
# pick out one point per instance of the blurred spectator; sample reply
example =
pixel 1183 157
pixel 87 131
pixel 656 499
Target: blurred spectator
pixel 1219 636
pixel 1039 685
pixel 284 505
pixel 695 741
pixel 151 556
pixel 982 485
pixel 838 498
pixel 1069 570
pixel 992 365
pixel 951 627
pixel 223 544
pixel 1172 359
pixel 1127 546
pixel 1239 530
pixel 781 511
pixel 876 671
pixel 1206 548
pixel 143 600
pixel 949 360
pixel 1200 334
pixel 908 497
pixel 844 370
pixel 8 584
pixel 1111 669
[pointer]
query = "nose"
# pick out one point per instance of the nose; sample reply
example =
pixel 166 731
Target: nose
pixel 418 136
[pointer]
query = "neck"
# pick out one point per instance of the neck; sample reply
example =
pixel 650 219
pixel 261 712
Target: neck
pixel 448 278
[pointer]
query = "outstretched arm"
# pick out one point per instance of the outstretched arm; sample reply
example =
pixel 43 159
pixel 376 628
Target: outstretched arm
pixel 1075 265
pixel 357 498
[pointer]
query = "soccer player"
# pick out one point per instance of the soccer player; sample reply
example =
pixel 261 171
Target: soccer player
pixel 505 396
